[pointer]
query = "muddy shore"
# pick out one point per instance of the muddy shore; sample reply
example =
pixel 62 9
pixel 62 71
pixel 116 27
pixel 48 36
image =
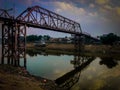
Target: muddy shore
pixel 17 78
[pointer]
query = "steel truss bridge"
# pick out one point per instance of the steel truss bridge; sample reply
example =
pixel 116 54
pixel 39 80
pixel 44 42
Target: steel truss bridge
pixel 14 30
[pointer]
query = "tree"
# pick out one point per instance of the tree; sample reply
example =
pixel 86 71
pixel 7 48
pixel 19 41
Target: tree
pixel 46 37
pixel 109 39
pixel 32 38
pixel 40 37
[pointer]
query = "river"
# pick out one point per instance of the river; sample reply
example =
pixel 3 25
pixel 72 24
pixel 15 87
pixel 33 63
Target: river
pixel 76 72
pixel 91 72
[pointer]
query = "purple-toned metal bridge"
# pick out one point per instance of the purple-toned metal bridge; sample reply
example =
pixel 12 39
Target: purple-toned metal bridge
pixel 13 28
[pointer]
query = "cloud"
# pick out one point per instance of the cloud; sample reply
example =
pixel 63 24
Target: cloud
pixel 78 14
pixel 93 14
pixel 108 7
pixel 70 11
pixel 70 8
pixel 118 10
pixel 110 13
pixel 102 2
pixel 89 20
pixel 91 5
pixel 30 2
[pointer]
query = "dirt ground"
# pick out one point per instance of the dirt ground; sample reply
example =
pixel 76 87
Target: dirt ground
pixel 17 78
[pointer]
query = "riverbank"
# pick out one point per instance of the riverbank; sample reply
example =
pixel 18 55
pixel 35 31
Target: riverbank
pixel 17 78
pixel 53 46
pixel 105 49
pixel 102 51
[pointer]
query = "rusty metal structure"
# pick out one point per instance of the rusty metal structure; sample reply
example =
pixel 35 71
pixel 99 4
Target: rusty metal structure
pixel 13 39
pixel 14 30
pixel 39 17
pixel 13 42
pixel 4 13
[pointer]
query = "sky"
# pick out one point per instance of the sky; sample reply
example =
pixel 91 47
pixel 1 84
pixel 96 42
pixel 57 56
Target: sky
pixel 96 17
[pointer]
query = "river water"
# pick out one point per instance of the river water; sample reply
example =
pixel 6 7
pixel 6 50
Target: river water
pixel 76 72
pixel 85 72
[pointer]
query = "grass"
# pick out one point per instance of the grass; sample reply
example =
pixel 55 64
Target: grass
pixel 86 48
pixel 68 49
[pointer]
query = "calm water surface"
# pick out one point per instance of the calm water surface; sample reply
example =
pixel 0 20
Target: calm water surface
pixel 50 66
pixel 86 73
pixel 99 74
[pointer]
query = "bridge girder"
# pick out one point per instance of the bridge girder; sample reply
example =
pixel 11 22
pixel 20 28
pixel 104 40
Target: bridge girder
pixel 49 20
pixel 4 13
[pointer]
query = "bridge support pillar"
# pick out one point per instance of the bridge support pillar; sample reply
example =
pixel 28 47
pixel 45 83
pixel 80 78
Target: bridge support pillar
pixel 13 42
pixel 77 43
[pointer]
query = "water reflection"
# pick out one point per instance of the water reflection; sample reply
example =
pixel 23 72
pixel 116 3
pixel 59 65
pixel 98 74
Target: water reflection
pixel 70 78
pixel 34 52
pixel 15 62
pixel 38 64
pixel 110 62
pixel 80 63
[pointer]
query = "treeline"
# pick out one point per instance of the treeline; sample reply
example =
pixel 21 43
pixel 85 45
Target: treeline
pixel 110 39
pixel 32 38
pixel 107 39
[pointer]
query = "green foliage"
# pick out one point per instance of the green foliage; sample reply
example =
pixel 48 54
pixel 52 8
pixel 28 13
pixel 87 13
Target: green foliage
pixel 109 39
pixel 40 37
pixel 33 38
pixel 46 37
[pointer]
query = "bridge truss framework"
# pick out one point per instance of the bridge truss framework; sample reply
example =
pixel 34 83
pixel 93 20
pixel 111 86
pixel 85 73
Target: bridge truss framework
pixel 13 42
pixel 14 30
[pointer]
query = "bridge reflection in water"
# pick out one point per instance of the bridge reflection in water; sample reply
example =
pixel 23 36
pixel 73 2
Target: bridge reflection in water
pixel 69 79
pixel 15 62
pixel 79 62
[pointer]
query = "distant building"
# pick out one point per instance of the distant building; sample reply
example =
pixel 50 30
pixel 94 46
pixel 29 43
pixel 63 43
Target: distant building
pixel 60 40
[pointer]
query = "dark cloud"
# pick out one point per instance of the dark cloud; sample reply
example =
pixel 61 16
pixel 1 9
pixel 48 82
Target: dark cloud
pixel 115 3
